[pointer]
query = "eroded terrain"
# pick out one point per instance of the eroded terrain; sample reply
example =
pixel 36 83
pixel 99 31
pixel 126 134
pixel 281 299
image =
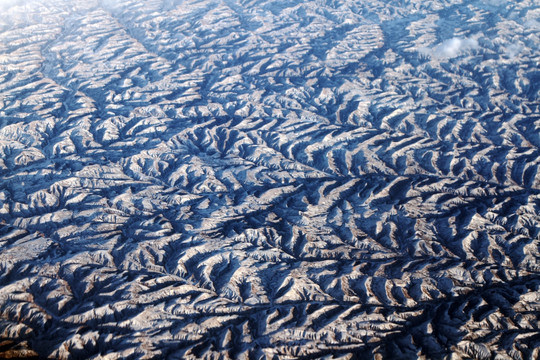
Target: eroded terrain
pixel 289 179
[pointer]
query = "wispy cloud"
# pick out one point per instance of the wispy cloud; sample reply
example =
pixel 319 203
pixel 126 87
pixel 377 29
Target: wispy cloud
pixel 532 24
pixel 513 50
pixel 450 48
pixel 6 4
pixel 453 47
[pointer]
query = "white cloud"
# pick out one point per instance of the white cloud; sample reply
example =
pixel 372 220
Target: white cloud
pixel 513 50
pixel 532 24
pixel 5 4
pixel 110 4
pixel 495 2
pixel 453 47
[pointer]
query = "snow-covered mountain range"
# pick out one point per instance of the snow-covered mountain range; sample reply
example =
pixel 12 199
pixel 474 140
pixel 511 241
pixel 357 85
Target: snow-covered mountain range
pixel 270 179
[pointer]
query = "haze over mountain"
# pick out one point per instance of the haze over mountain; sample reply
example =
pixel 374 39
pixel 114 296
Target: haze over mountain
pixel 270 179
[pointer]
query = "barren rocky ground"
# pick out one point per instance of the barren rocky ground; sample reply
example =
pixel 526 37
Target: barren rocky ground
pixel 270 179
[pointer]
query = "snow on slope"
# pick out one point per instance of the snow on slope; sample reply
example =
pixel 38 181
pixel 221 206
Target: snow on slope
pixel 279 179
